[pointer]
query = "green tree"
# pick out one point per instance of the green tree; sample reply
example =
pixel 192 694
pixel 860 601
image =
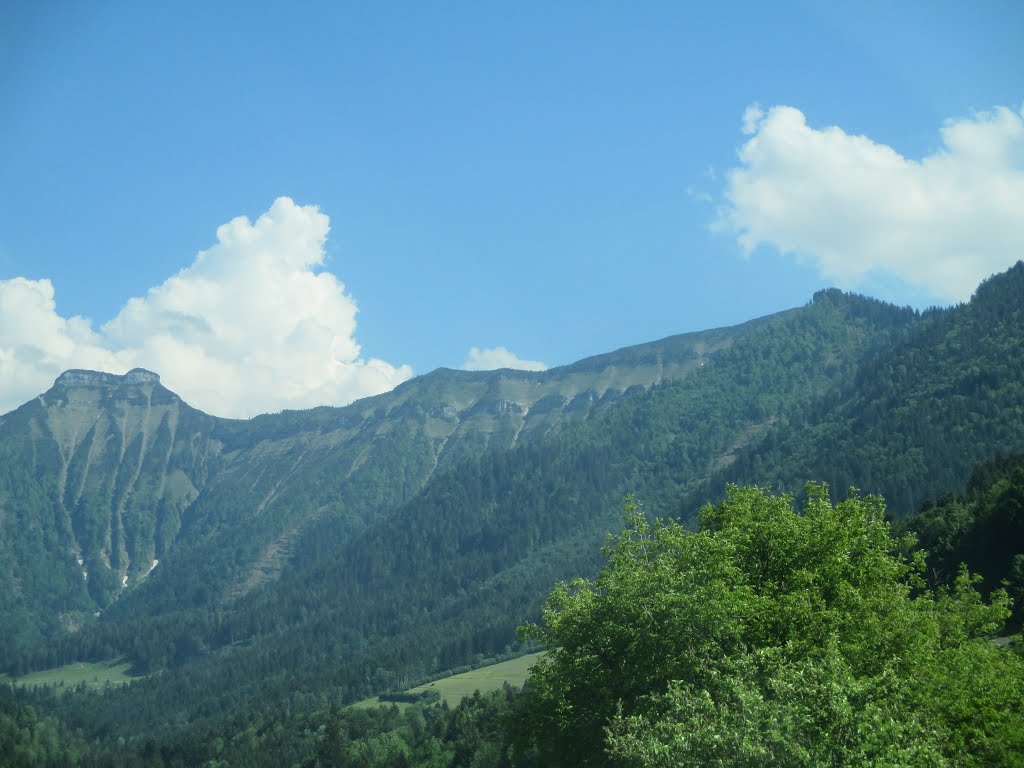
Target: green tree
pixel 770 636
pixel 333 750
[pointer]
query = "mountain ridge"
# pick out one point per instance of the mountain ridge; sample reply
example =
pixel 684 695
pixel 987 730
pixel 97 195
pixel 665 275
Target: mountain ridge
pixel 123 470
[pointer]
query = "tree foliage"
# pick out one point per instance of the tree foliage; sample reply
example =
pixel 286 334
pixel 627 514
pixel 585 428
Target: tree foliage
pixel 982 528
pixel 771 636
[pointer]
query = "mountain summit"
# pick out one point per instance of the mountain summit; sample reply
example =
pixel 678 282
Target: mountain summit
pixel 84 378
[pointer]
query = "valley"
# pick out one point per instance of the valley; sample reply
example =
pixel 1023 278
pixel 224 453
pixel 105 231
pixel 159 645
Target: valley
pixel 318 558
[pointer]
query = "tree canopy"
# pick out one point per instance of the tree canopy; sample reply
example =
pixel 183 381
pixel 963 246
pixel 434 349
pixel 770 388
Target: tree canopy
pixel 771 636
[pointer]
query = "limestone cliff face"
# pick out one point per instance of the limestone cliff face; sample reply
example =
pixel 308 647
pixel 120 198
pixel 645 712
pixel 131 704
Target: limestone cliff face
pixel 119 459
pixel 81 378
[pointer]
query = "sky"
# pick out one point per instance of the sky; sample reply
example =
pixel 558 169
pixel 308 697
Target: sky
pixel 281 205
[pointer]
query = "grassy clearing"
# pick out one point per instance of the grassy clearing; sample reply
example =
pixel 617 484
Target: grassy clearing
pixel 453 689
pixel 94 675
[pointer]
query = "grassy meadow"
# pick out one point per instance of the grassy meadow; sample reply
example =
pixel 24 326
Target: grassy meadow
pixel 93 674
pixel 453 689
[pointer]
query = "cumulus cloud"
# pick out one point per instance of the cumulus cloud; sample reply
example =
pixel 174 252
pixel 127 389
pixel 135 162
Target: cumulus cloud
pixel 856 207
pixel 253 325
pixel 498 357
pixel 37 344
pixel 752 117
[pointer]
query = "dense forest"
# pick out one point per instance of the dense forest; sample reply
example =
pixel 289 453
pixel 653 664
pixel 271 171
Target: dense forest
pixel 916 417
pixel 325 556
pixel 823 636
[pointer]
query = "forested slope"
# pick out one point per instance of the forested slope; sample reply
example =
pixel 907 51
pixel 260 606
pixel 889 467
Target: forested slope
pixel 950 696
pixel 981 528
pixel 96 477
pixel 916 418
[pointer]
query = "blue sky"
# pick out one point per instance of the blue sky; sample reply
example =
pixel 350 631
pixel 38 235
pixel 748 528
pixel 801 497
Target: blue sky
pixel 538 181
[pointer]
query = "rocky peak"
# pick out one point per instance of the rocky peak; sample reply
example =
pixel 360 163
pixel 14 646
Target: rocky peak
pixel 83 378
pixel 93 389
pixel 80 378
pixel 141 376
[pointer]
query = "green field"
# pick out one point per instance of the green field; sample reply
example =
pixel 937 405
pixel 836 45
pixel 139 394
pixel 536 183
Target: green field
pixel 453 689
pixel 94 675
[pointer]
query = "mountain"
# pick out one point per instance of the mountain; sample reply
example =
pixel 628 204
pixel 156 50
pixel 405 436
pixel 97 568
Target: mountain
pixel 95 476
pixel 346 551
pixel 103 477
pixel 917 417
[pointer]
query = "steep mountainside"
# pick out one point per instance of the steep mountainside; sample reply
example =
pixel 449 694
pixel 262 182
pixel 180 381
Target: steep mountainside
pixel 109 483
pixel 916 418
pixel 96 476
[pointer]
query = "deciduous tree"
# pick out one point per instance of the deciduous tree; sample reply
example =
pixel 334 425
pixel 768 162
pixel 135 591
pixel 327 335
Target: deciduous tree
pixel 771 636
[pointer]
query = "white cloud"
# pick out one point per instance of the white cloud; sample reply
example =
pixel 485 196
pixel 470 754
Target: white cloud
pixel 856 207
pixel 36 344
pixel 498 357
pixel 752 117
pixel 253 325
pixel 699 195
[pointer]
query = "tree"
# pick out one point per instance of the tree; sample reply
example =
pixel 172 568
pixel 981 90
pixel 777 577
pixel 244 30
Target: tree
pixel 333 749
pixel 770 636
